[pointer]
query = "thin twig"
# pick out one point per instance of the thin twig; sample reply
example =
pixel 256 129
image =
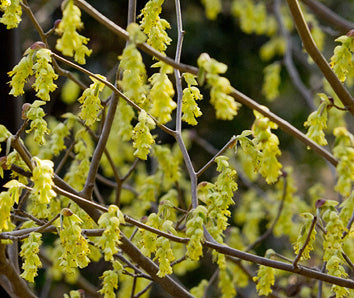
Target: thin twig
pixel 131 12
pixel 143 291
pixel 79 200
pixel 347 259
pixel 65 157
pixel 30 216
pixel 176 71
pixel 97 193
pixel 349 225
pixel 131 169
pixel 133 287
pixel 228 145
pixel 320 283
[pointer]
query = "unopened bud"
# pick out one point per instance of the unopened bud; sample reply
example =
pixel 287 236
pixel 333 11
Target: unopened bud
pixel 350 33
pixel 3 162
pixel 38 45
pixel 25 107
pixel 319 203
pixel 67 212
pixel 56 23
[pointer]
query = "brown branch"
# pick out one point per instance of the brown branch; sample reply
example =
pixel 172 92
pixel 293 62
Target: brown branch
pixel 348 283
pixel 156 231
pixel 316 55
pixel 143 290
pixel 327 14
pixel 228 145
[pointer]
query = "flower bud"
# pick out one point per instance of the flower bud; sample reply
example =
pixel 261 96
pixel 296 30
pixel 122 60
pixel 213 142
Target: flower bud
pixel 38 45
pixel 66 212
pixel 25 107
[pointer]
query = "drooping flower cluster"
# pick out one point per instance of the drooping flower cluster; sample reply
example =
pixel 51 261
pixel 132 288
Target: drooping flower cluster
pixel 109 240
pixel 253 17
pixel 218 197
pixel 110 280
pixel 44 73
pixel 195 232
pixel 77 173
pixel 225 105
pixel 142 136
pixel 71 43
pixel 153 26
pixel 317 122
pixel 265 280
pixel 12 13
pixel 91 103
pixel 332 245
pixel 35 114
pixel 4 134
pixel 133 80
pixel 226 284
pixel 344 152
pixel 168 164
pixel 29 253
pixel 21 72
pixel 37 60
pixel 164 255
pixel 190 109
pixel 75 245
pixel 212 8
pixel 271 82
pixel 267 143
pixel 7 200
pixel 42 178
pixel 161 94
pixel 341 61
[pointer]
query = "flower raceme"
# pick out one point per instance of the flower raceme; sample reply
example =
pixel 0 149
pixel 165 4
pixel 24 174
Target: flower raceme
pixel 154 27
pixel 91 103
pixel 12 13
pixel 134 76
pixel 225 105
pixel 317 122
pixel 190 109
pixel 37 60
pixel 267 143
pixel 76 248
pixel 71 43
